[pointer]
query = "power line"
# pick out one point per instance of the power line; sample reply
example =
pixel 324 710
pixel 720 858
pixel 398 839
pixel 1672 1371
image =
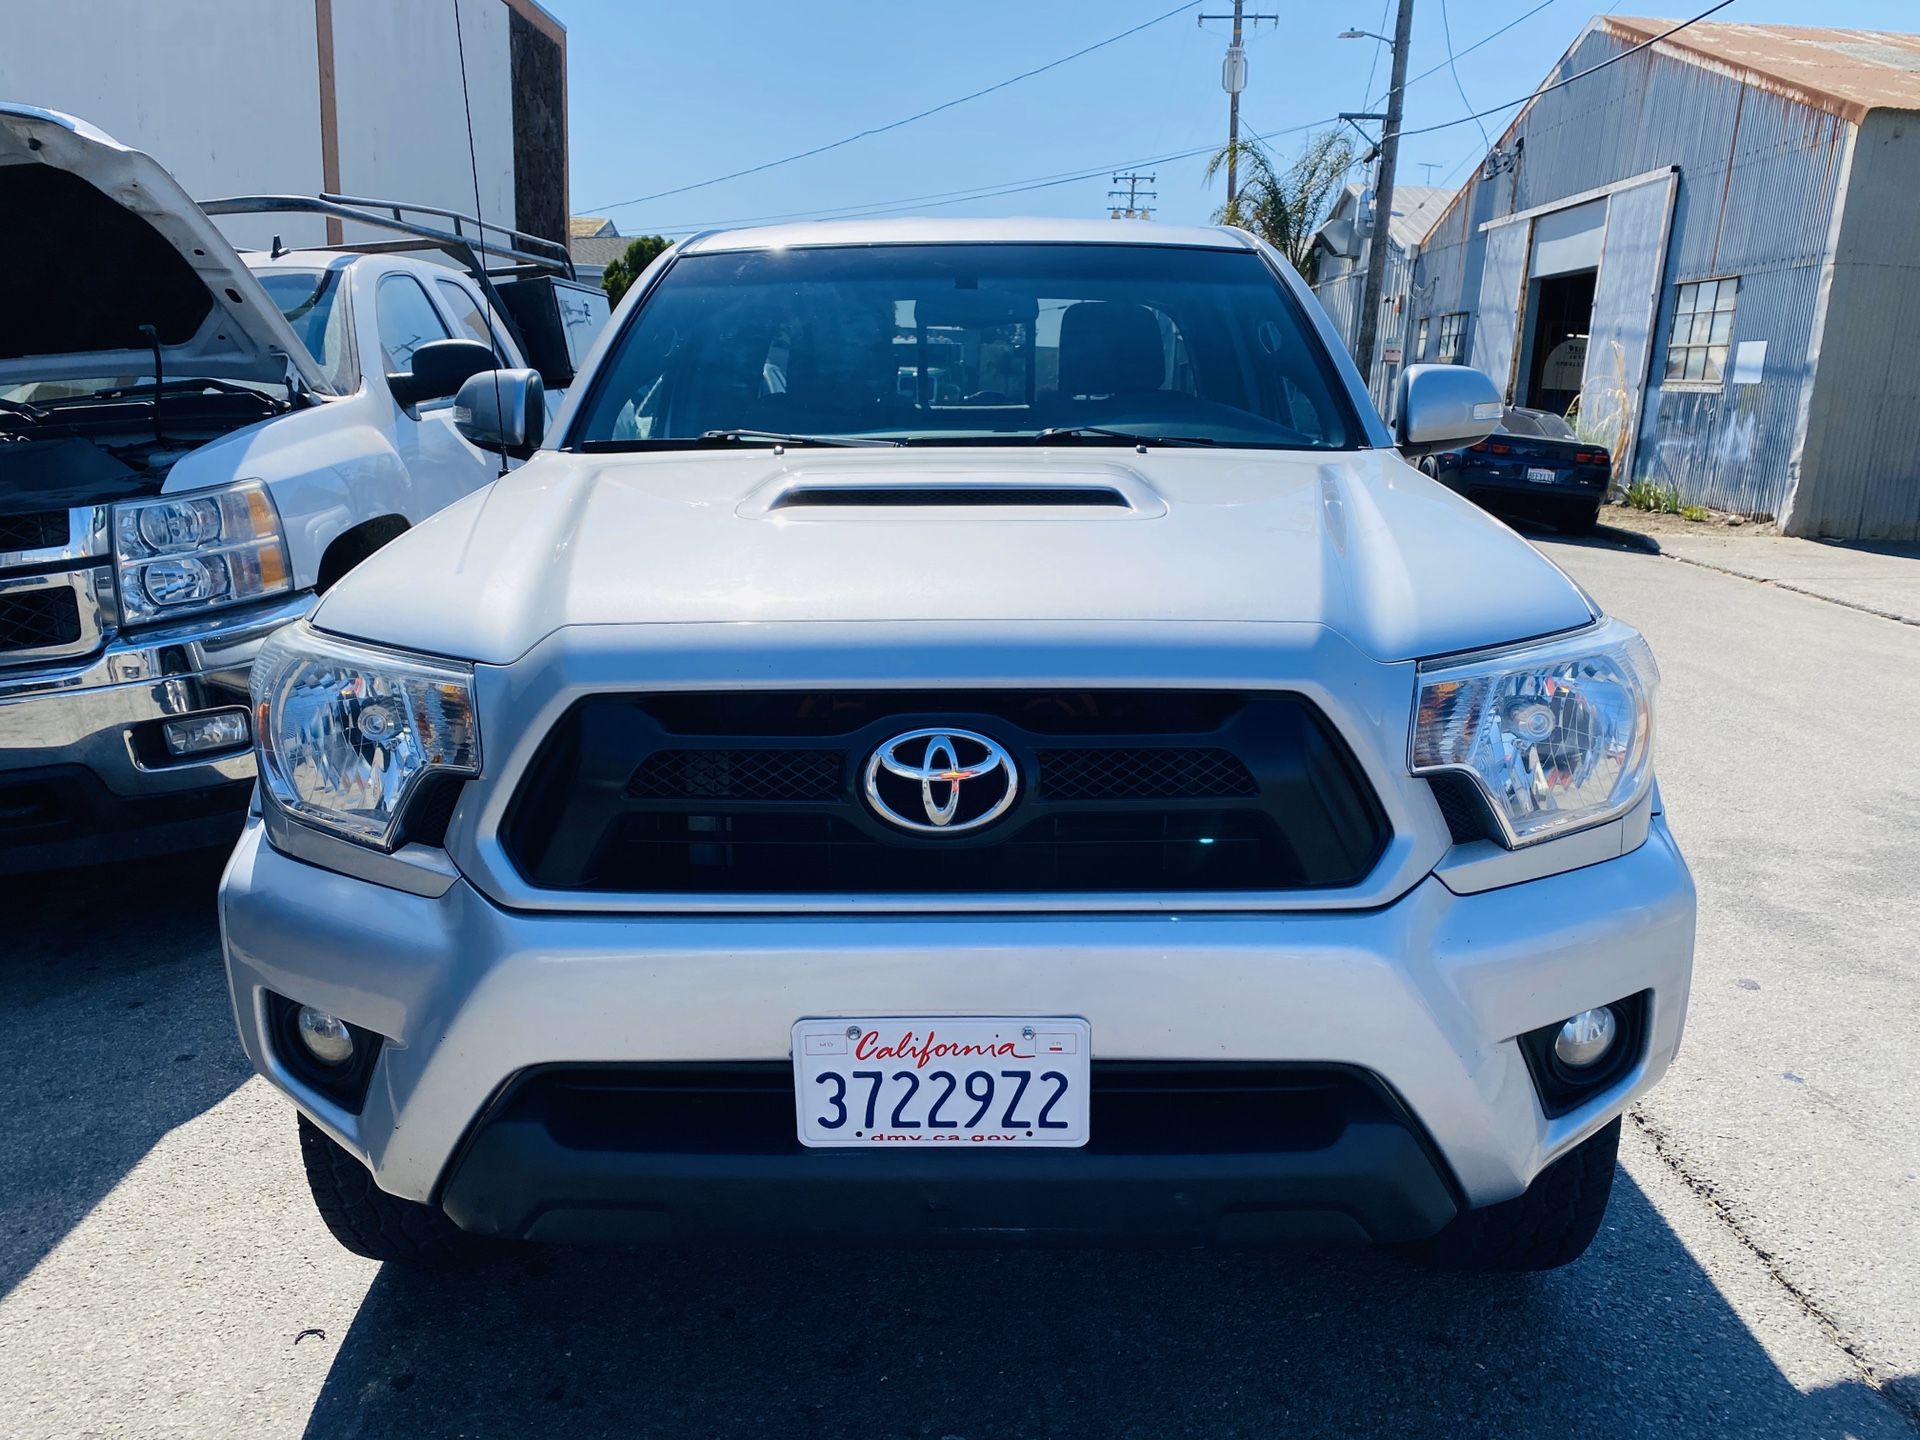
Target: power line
pixel 1446 31
pixel 1490 36
pixel 896 124
pixel 938 199
pixel 1558 84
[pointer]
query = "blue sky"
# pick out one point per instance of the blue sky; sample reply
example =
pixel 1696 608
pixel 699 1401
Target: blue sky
pixel 670 95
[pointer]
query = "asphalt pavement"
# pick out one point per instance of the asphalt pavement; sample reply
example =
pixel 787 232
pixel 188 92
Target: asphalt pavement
pixel 162 1271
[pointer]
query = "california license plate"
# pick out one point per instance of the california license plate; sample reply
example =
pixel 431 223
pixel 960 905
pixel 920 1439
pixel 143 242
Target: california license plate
pixel 938 1080
pixel 1541 476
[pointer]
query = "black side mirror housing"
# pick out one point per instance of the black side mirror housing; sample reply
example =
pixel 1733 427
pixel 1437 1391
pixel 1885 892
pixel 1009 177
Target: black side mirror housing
pixel 440 368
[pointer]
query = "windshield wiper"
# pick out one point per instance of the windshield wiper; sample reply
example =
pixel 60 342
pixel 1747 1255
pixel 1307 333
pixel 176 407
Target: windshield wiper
pixel 1118 437
pixel 734 436
pixel 21 407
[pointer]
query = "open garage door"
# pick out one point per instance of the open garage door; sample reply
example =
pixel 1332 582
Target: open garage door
pixel 1626 298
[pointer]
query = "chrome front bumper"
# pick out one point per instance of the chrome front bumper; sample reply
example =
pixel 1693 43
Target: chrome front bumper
pixel 1427 992
pixel 79 728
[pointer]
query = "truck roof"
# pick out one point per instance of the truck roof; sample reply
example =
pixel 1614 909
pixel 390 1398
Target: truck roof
pixel 1029 231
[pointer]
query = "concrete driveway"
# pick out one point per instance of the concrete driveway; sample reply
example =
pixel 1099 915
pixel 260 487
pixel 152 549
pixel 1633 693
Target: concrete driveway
pixel 162 1271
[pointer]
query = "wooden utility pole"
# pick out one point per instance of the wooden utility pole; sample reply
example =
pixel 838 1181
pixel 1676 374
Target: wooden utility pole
pixel 1233 79
pixel 1380 241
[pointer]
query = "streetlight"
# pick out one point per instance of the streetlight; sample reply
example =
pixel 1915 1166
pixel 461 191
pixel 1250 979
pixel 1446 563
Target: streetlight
pixel 1364 35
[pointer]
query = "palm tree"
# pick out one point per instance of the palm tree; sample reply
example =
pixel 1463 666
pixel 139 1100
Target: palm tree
pixel 1285 207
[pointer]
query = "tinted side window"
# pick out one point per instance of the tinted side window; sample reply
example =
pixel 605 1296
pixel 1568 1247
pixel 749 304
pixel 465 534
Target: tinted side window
pixel 466 314
pixel 407 321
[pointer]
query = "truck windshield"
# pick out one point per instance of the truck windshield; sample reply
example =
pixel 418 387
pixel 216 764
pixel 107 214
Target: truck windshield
pixel 970 344
pixel 310 301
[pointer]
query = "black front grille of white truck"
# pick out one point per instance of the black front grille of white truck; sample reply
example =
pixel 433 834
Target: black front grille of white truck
pixel 37 530
pixel 39 619
pixel 1120 792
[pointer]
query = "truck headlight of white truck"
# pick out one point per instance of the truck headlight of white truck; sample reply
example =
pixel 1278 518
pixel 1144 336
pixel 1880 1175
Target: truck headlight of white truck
pixel 184 553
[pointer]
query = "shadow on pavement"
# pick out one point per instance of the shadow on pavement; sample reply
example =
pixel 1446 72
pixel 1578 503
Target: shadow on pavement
pixel 114 1029
pixel 1634 1340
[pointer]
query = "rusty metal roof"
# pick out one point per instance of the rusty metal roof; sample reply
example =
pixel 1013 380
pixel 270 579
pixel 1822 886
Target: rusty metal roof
pixel 1843 72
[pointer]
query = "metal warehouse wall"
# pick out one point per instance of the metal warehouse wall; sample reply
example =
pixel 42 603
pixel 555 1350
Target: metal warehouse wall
pixel 233 97
pixel 1860 468
pixel 1759 175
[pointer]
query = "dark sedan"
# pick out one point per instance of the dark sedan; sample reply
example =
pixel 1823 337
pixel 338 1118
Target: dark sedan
pixel 1532 465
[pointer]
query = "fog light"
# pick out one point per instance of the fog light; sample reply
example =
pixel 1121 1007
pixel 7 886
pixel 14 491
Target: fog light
pixel 197 734
pixel 326 1036
pixel 1582 1041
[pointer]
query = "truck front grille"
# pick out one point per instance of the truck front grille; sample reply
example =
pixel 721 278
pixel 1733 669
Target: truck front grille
pixel 40 530
pixel 39 619
pixel 1121 792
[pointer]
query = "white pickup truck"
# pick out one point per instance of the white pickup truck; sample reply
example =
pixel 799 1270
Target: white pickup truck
pixel 194 444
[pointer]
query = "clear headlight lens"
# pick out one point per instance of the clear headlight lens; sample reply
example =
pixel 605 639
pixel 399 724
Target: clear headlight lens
pixel 1558 735
pixel 193 552
pixel 347 731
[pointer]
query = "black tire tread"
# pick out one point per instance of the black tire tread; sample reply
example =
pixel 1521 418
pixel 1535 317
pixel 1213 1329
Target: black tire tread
pixel 367 1220
pixel 1550 1225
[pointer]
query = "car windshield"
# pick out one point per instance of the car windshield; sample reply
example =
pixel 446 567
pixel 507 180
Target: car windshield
pixel 970 344
pixel 310 301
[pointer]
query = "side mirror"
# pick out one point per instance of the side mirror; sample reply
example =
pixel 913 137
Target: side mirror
pixel 440 368
pixel 1443 406
pixel 503 410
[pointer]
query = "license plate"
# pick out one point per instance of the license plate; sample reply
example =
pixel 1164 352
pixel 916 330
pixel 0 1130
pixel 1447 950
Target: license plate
pixel 1540 476
pixel 941 1081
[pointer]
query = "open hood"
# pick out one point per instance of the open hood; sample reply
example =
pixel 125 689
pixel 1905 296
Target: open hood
pixel 99 240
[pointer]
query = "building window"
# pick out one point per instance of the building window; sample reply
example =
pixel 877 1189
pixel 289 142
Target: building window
pixel 1453 338
pixel 1702 330
pixel 1420 343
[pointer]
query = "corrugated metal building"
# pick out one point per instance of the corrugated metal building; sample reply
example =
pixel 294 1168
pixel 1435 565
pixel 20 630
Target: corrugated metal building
pixel 1342 274
pixel 1710 246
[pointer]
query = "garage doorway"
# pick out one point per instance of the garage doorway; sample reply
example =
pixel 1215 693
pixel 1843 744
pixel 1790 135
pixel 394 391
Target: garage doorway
pixel 1559 320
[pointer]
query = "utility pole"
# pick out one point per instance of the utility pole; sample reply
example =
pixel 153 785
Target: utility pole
pixel 1381 239
pixel 1133 209
pixel 1233 79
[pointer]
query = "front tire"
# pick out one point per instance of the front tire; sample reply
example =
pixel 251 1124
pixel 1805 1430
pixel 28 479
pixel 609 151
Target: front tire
pixel 1550 1225
pixel 366 1219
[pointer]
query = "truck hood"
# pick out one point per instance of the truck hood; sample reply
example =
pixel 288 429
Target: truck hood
pixel 100 240
pixel 1359 542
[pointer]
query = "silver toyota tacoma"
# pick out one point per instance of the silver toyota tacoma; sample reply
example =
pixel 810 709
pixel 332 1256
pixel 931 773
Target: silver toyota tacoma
pixel 991 688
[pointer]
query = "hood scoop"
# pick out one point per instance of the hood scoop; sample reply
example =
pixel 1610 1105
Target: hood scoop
pixel 1118 494
pixel 927 496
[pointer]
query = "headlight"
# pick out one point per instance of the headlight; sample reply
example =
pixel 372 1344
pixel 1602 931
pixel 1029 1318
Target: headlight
pixel 193 552
pixel 347 731
pixel 1558 735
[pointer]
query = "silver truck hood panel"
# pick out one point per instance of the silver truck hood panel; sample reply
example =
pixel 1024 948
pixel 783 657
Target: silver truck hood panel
pixel 1359 542
pixel 243 335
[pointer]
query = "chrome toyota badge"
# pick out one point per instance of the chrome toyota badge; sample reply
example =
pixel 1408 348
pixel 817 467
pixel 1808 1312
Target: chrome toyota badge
pixel 955 779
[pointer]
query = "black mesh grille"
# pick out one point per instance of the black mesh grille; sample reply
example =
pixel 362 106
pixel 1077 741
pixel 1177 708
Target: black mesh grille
pixel 741 774
pixel 39 531
pixel 36 619
pixel 1463 807
pixel 1119 792
pixel 1150 773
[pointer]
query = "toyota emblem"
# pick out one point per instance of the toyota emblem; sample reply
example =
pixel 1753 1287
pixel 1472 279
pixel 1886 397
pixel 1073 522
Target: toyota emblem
pixel 941 782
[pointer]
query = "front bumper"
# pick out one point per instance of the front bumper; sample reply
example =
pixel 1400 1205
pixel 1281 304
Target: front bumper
pixel 1424 996
pixel 82 774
